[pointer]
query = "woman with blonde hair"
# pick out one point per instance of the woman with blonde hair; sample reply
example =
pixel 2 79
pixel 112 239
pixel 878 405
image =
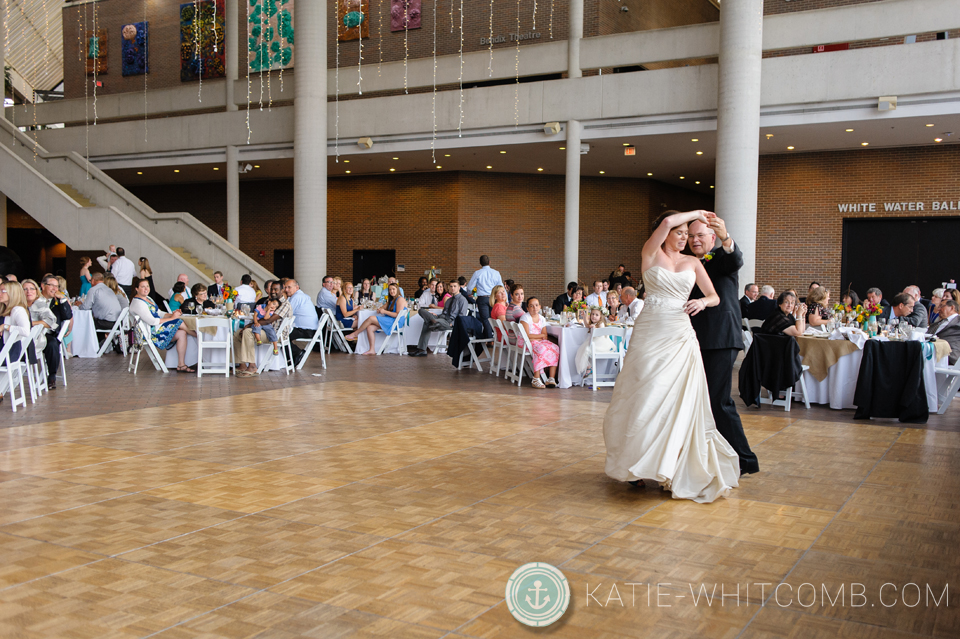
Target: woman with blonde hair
pixel 14 317
pixel 62 285
pixel 85 282
pixel 111 282
pixel 40 314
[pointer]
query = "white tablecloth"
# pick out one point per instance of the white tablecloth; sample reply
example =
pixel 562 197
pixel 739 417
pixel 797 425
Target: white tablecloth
pixel 84 333
pixel 570 339
pixel 839 387
pixel 411 333
pixel 217 356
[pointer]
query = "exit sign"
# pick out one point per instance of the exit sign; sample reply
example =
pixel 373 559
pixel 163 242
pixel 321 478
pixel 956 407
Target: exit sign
pixel 629 150
pixel 826 48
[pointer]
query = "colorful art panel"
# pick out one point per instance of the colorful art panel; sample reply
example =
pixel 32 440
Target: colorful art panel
pixel 353 20
pixel 133 48
pixel 202 53
pixel 404 15
pixel 97 50
pixel 270 35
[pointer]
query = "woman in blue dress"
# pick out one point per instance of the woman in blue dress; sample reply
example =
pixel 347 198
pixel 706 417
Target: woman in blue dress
pixel 346 308
pixel 166 329
pixel 395 310
pixel 85 281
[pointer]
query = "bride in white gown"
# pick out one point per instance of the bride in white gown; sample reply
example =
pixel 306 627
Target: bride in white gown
pixel 659 425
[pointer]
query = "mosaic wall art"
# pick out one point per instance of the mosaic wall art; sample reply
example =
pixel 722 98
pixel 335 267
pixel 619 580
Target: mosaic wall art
pixel 97 50
pixel 201 28
pixel 133 48
pixel 354 19
pixel 404 10
pixel 270 29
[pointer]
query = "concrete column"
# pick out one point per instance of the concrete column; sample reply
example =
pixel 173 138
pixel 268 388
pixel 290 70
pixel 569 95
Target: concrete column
pixel 571 209
pixel 738 124
pixel 310 147
pixel 230 36
pixel 3 218
pixel 573 39
pixel 233 196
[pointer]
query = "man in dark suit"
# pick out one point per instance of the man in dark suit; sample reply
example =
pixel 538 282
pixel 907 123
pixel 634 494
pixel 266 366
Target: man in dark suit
pixel 57 302
pixel 765 305
pixel 564 299
pixel 216 289
pixel 875 297
pixel 750 294
pixel 719 331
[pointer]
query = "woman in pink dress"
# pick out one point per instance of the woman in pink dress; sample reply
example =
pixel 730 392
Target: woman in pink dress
pixel 546 354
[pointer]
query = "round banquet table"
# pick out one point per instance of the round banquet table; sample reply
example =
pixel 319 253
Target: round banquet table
pixel 223 331
pixel 838 387
pixel 411 333
pixel 570 339
pixel 84 334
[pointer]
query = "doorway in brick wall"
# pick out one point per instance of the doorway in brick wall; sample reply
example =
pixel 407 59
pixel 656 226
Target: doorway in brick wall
pixel 283 262
pixel 373 263
pixel 893 253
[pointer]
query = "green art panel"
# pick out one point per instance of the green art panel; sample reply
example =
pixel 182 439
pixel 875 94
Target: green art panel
pixel 270 35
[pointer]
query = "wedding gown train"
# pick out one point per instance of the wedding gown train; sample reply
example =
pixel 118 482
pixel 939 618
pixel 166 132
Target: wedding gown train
pixel 659 424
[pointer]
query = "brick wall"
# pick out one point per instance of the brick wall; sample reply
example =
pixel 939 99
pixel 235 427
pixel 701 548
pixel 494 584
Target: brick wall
pixel 773 7
pixel 799 226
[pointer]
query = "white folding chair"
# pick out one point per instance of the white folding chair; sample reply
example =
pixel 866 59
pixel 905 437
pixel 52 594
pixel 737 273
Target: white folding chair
pixel 396 331
pixel 500 346
pixel 747 334
pixel 210 343
pixel 167 304
pixel 36 372
pixel 800 388
pixel 524 354
pixel 514 351
pixel 754 325
pixel 145 342
pixel 63 360
pixel 115 331
pixel 474 358
pixel 286 349
pixel 12 369
pixel 950 385
pixel 335 332
pixel 618 335
pixel 311 341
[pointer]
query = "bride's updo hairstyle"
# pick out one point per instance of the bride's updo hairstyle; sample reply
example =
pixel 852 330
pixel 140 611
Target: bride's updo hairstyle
pixel 657 222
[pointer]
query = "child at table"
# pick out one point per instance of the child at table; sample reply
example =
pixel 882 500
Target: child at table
pixel 266 310
pixel 592 344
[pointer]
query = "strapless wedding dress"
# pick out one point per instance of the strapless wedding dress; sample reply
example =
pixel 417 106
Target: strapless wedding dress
pixel 659 424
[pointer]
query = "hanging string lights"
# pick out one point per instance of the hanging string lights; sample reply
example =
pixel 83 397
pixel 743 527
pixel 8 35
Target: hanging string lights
pixel 433 142
pixel 249 50
pixel 534 17
pixel 516 88
pixel 146 59
pixel 261 39
pixel 197 27
pixel 379 36
pixel 336 127
pixel 360 53
pixel 490 63
pixel 406 42
pixel 460 121
pixel 551 19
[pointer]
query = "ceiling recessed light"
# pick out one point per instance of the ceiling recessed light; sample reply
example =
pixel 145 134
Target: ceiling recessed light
pixel 539 169
pixel 695 140
pixel 176 170
pixel 849 130
pixel 216 168
pixel 489 167
pixel 938 139
pixel 563 148
pixel 697 182
pixel 769 135
pixel 256 166
pixel 347 161
pixel 396 158
pixel 789 148
pixel 699 152
pixel 439 167
pixel 626 144
pixel 392 170
pixel 602 172
pixel 446 155
pixel 348 171
pixel 864 144
pixel 649 174
pixel 682 178
pixel 711 186
pixel 929 125
pixel 502 152
pixel 139 172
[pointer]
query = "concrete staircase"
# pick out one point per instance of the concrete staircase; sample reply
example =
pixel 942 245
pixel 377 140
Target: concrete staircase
pixel 88 210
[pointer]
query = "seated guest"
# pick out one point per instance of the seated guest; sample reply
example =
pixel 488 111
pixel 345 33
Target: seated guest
pixel 604 344
pixel 103 303
pixel 875 297
pixel 935 298
pixel 384 294
pixel 764 306
pixel 266 330
pixel 564 299
pixel 40 313
pixel 326 297
pixel 199 300
pixel 256 288
pixel 902 309
pixel 595 298
pixel 14 316
pixel 394 310
pixel 347 309
pixel 850 298
pixel 305 316
pixel 613 304
pixel 440 296
pixel 186 282
pixel 818 301
pixel 498 305
pixel 467 295
pixel 427 297
pixel 810 288
pixel 546 354
pixel 365 291
pixel 166 329
pixel 52 298
pixel 750 294
pixel 337 286
pixel 264 295
pixel 111 282
pixel 179 295
pixel 215 290
pixel 245 293
pixel 454 306
pixel 423 285
pixel 631 305
pixel 508 285
pixel 516 309
pixel 245 342
pixel 606 286
pixel 947 327
pixel 918 316
pixel 787 317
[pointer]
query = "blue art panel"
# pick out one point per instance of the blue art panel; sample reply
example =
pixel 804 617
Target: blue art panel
pixel 133 48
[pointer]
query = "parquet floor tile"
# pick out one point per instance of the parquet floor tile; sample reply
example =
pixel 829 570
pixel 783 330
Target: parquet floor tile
pixel 254 551
pixel 13 440
pixel 153 440
pixel 241 451
pixel 412 583
pixel 808 492
pixel 109 598
pixel 121 524
pixel 237 424
pixel 51 458
pixel 246 490
pixel 267 614
pixel 340 463
pixel 779 623
pixel 73 429
pixel 28 559
pixel 30 497
pixel 144 472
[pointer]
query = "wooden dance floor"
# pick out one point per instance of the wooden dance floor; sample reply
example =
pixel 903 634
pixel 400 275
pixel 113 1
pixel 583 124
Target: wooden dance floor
pixel 341 506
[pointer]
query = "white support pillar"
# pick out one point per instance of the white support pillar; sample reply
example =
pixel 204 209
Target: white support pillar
pixel 738 124
pixel 233 196
pixel 3 217
pixel 310 147
pixel 571 209
pixel 573 39
pixel 230 37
